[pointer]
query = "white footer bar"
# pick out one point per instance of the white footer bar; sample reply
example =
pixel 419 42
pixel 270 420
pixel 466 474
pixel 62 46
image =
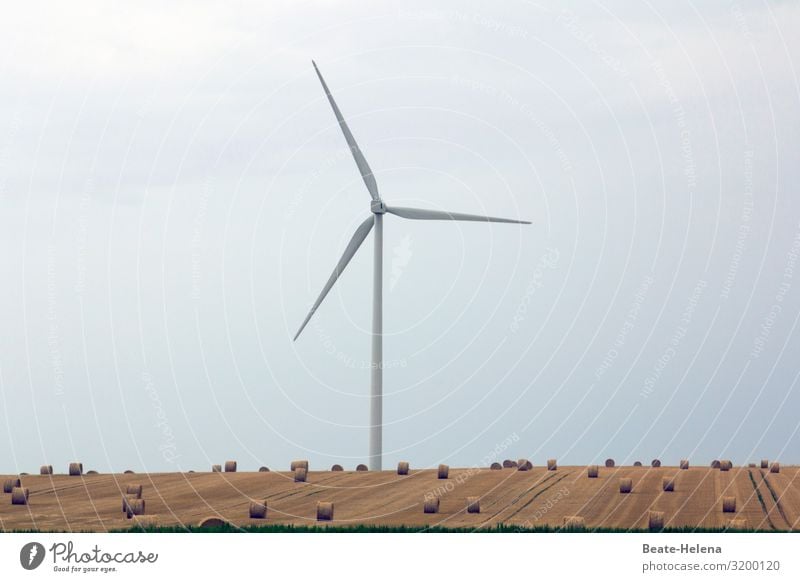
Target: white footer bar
pixel 354 557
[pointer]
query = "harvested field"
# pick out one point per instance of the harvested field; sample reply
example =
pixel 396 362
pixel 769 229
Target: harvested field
pixel 512 499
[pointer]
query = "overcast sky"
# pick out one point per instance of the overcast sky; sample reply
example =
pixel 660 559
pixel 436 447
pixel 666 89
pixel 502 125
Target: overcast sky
pixel 174 192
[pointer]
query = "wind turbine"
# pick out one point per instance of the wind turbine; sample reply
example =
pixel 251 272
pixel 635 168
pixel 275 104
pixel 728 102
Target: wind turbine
pixel 378 209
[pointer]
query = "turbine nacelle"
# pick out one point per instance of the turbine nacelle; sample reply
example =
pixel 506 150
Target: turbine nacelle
pixel 377 207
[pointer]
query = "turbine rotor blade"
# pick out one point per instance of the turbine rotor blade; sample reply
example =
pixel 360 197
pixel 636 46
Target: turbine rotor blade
pixel 361 162
pixel 358 237
pixel 420 214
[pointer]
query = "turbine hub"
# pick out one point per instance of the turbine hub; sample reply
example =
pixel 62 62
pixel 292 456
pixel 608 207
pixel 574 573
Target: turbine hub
pixel 377 207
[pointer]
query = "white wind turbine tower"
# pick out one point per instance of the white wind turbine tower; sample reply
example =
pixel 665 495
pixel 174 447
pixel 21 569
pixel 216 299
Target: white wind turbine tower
pixel 378 209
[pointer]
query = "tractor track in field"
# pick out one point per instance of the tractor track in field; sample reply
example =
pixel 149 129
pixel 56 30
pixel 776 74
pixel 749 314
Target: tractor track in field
pixel 776 498
pixel 63 488
pixel 538 483
pixel 532 499
pixel 291 492
pixel 549 481
pixel 761 501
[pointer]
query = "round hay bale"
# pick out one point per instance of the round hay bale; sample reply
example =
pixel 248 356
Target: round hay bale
pixel 301 463
pixel 135 490
pixel 609 463
pixel 443 472
pixel 263 469
pixel 46 470
pixel 728 505
pixel 473 504
pixel 230 466
pixel 402 468
pixel 637 463
pixel 300 475
pixel 524 465
pixel 496 467
pixel 592 471
pixel 655 521
pixel 362 467
pixel 216 468
pixel 431 505
pixel 775 468
pixel 552 465
pixel 212 521
pixel 738 523
pixel 124 504
pixel 513 464
pixel 751 465
pixel 684 464
pixel 135 507
pixel 324 510
pixel 128 472
pixel 337 468
pixel 258 510
pixel 76 469
pixel 9 484
pixel 725 465
pixel 668 484
pixel 574 522
pixel 765 463
pixel 625 485
pixel 655 463
pixel 19 496
pixel 508 463
pixel 715 464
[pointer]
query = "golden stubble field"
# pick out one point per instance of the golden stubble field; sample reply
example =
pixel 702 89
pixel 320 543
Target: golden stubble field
pixel 526 499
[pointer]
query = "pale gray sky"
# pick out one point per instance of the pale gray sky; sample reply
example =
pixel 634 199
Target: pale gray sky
pixel 174 192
